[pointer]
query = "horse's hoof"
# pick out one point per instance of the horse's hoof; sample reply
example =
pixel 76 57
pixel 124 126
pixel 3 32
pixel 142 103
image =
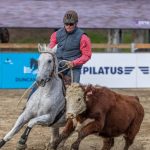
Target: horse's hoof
pixel 21 146
pixel 2 142
pixel 49 147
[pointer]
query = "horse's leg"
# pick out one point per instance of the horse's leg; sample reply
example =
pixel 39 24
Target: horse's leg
pixel 54 137
pixel 54 134
pixel 38 120
pixel 22 142
pixel 108 143
pixel 23 119
pixel 68 129
pixel 44 119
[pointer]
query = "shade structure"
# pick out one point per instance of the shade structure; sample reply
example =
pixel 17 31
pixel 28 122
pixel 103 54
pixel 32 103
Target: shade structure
pixel 128 14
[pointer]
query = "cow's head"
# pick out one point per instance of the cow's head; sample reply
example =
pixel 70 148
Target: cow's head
pixel 75 100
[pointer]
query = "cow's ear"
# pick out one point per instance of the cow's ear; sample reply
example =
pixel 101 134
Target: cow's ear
pixel 89 90
pixel 89 93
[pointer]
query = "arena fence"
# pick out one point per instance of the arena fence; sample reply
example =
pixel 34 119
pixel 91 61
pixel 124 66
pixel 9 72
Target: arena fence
pixel 132 46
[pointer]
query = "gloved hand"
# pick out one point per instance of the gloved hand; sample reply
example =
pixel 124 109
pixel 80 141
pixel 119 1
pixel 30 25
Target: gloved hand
pixel 70 64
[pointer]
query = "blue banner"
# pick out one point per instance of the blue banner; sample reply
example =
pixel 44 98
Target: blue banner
pixel 18 70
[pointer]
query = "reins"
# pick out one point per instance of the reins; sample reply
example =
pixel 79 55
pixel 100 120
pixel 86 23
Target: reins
pixel 19 101
pixel 66 68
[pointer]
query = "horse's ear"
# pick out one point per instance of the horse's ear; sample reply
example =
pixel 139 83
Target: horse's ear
pixel 39 47
pixel 54 49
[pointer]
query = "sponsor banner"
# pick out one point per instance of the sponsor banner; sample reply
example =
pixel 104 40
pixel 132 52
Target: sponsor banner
pixel 117 70
pixel 143 70
pixel 18 70
pixel 114 70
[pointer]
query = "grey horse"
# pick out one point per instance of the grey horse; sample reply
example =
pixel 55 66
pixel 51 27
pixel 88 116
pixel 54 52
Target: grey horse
pixel 46 106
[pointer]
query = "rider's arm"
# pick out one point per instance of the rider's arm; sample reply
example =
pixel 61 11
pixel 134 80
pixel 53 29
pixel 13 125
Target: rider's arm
pixel 53 40
pixel 85 47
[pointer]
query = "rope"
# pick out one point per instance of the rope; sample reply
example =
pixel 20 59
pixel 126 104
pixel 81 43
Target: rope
pixel 19 101
pixel 71 75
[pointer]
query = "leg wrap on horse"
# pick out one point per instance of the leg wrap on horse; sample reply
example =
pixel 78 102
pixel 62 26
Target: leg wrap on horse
pixel 21 147
pixel 2 142
pixel 24 136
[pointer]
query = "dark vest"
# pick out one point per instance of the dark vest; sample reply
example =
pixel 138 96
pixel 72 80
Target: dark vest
pixel 68 47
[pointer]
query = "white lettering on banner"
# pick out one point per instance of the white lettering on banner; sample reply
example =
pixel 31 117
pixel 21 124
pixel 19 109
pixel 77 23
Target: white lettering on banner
pixel 107 70
pixel 24 79
pixel 118 70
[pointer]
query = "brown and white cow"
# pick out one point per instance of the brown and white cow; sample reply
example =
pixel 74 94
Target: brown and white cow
pixel 99 110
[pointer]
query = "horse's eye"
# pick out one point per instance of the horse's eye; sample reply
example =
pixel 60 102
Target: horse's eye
pixel 49 61
pixel 79 99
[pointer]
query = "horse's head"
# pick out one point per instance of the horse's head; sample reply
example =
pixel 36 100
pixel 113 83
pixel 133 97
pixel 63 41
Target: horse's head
pixel 47 65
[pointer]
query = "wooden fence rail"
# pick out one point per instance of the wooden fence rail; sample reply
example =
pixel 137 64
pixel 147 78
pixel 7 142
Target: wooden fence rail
pixel 94 45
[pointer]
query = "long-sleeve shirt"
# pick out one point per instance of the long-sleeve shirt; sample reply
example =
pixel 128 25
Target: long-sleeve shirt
pixel 85 47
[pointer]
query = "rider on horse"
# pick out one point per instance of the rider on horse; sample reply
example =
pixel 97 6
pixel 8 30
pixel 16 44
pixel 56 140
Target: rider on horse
pixel 73 45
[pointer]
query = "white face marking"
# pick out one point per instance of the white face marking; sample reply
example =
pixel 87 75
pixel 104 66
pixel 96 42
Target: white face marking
pixel 75 101
pixel 45 66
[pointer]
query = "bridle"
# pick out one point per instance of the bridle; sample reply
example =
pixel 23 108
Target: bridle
pixel 53 72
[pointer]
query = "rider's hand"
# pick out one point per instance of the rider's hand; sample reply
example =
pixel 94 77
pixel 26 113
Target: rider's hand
pixel 70 64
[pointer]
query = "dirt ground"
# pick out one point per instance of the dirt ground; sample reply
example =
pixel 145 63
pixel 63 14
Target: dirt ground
pixel 39 135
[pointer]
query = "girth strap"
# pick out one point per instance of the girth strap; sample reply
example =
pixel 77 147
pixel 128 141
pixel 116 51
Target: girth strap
pixel 59 115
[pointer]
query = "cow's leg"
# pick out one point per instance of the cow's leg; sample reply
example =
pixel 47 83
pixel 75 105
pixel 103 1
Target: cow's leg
pixel 108 143
pixel 21 121
pixel 129 138
pixel 132 131
pixel 93 127
pixel 68 129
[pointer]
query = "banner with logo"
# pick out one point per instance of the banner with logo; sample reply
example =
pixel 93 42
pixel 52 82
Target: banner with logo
pixel 17 70
pixel 117 70
pixel 114 70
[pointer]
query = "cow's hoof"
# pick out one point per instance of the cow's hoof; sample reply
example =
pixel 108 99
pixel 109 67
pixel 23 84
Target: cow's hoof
pixel 21 146
pixel 74 146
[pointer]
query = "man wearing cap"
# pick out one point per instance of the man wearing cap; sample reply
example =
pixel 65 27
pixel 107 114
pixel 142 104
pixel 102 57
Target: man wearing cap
pixel 73 45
